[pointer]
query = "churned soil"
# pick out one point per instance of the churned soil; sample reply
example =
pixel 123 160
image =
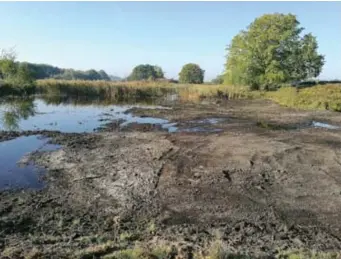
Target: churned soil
pixel 267 181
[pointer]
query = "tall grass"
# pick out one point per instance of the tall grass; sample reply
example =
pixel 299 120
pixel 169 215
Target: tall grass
pixel 110 90
pixel 326 97
pixel 198 92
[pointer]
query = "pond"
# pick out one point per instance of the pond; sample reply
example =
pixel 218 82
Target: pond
pixel 71 115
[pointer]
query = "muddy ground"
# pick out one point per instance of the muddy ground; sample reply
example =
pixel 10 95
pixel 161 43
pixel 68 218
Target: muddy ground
pixel 265 183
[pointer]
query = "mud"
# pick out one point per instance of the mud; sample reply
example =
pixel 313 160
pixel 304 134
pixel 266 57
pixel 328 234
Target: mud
pixel 259 189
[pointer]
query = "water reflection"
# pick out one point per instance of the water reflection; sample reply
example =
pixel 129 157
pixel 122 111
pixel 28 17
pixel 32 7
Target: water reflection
pixel 95 100
pixel 66 113
pixel 13 175
pixel 15 110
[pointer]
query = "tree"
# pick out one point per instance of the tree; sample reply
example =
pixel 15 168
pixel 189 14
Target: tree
pixel 218 80
pixel 271 52
pixel 14 74
pixel 92 75
pixel 158 71
pixel 191 74
pixel 8 66
pixel 24 74
pixel 146 72
pixel 104 75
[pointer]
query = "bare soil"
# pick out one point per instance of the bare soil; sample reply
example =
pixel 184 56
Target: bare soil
pixel 258 189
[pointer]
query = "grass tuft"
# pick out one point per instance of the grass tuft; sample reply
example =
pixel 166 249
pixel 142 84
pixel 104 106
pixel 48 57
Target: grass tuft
pixel 307 254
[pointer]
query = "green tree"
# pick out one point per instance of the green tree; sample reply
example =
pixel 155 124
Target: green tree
pixel 271 52
pixel 218 80
pixel 191 74
pixel 92 75
pixel 158 72
pixel 16 78
pixel 8 66
pixel 145 72
pixel 104 75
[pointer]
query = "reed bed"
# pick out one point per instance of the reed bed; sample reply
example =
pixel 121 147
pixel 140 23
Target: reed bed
pixel 326 97
pixel 104 89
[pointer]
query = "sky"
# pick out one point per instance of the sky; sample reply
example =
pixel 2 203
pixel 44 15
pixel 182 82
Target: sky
pixel 116 36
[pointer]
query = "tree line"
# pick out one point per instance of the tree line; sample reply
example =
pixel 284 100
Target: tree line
pixel 270 52
pixel 43 71
pixel 190 73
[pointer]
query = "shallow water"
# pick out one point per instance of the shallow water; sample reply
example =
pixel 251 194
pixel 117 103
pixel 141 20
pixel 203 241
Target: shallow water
pixel 13 175
pixel 38 114
pixel 80 115
pixel 201 129
pixel 317 124
pixel 65 115
pixel 209 121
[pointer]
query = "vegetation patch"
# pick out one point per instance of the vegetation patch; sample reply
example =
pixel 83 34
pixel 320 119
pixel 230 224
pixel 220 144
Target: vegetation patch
pixel 321 97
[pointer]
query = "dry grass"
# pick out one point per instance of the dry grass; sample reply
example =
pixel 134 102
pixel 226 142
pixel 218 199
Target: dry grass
pixel 104 89
pixel 104 84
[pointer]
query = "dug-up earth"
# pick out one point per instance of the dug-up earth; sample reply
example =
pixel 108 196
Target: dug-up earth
pixel 267 182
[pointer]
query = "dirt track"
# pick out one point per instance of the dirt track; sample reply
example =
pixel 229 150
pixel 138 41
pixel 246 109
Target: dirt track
pixel 259 189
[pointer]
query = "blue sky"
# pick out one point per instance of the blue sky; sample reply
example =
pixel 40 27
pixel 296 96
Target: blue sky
pixel 116 36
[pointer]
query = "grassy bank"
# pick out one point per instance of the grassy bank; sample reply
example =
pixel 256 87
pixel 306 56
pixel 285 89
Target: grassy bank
pixel 327 97
pixel 321 97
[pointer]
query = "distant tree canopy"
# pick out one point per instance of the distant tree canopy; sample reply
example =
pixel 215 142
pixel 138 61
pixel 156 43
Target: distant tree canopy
pixel 191 74
pixel 146 72
pixel 218 80
pixel 270 52
pixel 42 71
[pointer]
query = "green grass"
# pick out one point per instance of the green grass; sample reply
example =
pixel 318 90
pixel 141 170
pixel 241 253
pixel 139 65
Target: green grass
pixel 307 254
pixel 320 97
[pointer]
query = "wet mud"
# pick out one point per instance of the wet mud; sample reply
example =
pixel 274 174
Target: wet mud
pixel 259 189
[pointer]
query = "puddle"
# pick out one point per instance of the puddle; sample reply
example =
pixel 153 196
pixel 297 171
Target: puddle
pixel 208 121
pixel 166 125
pixel 317 124
pixel 13 175
pixel 201 129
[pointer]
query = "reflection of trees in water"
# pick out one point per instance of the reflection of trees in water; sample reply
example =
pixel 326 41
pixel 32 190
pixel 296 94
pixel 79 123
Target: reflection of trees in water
pixel 93 100
pixel 16 110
